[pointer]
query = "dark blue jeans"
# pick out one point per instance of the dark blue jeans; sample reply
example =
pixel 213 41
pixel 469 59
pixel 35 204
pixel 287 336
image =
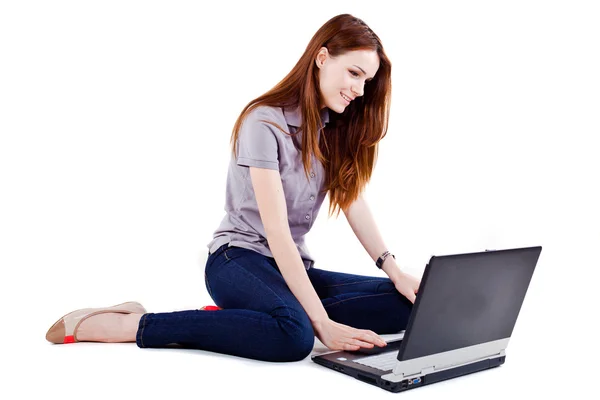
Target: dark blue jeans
pixel 262 319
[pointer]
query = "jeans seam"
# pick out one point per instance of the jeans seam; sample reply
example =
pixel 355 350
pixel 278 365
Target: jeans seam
pixel 268 287
pixel 208 285
pixel 357 297
pixel 142 331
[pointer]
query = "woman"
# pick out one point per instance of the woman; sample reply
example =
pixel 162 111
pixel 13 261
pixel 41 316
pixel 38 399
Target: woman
pixel 316 132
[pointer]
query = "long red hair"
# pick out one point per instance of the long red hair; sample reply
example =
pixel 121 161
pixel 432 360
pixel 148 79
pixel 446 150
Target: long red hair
pixel 349 146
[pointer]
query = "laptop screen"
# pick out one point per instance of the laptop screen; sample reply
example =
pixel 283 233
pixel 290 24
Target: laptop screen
pixel 468 299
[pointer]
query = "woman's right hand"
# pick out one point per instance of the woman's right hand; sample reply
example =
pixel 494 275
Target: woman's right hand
pixel 337 336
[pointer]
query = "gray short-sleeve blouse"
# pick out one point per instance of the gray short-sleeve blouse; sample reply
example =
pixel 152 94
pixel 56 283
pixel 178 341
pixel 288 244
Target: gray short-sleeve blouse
pixel 262 145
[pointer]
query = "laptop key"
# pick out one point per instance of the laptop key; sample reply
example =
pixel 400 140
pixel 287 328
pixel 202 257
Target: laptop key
pixel 383 362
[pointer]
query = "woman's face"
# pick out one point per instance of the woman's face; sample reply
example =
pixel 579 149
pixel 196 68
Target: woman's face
pixel 343 78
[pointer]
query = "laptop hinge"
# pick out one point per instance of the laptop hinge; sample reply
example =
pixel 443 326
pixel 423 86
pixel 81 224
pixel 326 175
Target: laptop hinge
pixel 436 363
pixel 427 370
pixel 432 369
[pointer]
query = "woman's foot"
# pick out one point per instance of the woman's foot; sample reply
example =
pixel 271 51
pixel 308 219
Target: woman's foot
pixel 109 328
pixel 120 324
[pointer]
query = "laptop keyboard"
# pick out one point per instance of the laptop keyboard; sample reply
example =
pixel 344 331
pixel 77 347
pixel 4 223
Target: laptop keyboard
pixel 383 362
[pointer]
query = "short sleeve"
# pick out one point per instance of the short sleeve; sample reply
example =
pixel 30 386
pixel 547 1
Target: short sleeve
pixel 257 144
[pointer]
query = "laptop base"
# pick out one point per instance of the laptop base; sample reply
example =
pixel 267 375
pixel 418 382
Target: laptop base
pixel 413 383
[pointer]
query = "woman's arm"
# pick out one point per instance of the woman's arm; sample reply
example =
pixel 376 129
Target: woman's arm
pixel 361 220
pixel 273 213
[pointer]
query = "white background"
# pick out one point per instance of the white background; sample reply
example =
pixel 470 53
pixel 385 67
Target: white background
pixel 115 119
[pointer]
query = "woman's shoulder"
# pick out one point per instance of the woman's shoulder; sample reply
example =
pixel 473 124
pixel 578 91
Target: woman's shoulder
pixel 269 113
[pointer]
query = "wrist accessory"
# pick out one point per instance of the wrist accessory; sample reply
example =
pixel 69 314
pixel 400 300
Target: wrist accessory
pixel 382 258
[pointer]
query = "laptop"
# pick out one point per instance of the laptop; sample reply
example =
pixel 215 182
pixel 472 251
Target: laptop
pixel 463 317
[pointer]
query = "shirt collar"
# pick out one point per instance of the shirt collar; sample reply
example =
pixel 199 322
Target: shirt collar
pixel 293 116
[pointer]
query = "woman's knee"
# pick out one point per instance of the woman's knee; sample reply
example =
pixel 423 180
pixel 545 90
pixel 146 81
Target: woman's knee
pixel 298 339
pixel 299 348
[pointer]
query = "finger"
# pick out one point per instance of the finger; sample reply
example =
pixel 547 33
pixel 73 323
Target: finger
pixel 411 297
pixel 361 343
pixel 378 339
pixel 349 347
pixel 371 337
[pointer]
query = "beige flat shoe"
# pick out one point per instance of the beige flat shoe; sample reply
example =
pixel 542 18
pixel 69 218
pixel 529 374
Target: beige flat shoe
pixel 65 329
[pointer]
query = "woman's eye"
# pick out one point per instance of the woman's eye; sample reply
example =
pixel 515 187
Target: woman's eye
pixel 354 73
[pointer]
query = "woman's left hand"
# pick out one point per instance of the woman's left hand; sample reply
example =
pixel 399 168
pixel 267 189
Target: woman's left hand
pixel 407 285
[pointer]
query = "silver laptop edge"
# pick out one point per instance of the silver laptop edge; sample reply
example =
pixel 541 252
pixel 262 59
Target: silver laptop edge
pixel 449 359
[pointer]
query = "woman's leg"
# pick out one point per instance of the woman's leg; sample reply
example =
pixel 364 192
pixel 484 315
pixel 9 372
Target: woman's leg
pixel 362 302
pixel 261 318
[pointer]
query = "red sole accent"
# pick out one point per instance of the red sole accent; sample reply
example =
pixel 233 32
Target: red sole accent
pixel 211 308
pixel 69 339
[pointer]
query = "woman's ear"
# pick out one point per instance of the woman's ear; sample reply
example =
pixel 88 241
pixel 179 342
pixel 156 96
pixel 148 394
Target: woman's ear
pixel 321 57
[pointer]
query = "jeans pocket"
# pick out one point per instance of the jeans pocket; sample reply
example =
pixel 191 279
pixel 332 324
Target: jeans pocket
pixel 233 252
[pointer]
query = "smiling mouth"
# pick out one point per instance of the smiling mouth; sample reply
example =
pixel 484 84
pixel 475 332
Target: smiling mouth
pixel 347 99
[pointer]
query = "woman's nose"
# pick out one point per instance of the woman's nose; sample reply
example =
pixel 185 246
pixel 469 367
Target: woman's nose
pixel 357 92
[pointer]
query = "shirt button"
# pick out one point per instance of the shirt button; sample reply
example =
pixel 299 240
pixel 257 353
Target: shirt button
pixel 312 174
pixel 312 197
pixel 307 216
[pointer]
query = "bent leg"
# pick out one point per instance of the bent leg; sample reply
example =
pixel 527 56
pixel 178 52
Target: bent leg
pixel 362 302
pixel 261 318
